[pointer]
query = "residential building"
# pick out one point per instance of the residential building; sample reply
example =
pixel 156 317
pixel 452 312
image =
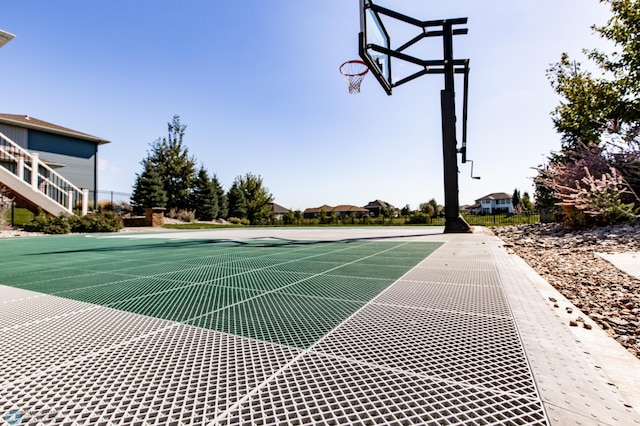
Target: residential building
pixel 497 202
pixel 376 207
pixel 279 211
pixel 59 151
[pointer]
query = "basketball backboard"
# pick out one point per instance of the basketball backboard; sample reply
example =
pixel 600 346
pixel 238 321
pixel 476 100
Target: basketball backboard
pixel 5 37
pixel 374 44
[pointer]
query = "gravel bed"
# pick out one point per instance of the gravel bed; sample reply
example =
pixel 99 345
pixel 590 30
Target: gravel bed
pixel 566 259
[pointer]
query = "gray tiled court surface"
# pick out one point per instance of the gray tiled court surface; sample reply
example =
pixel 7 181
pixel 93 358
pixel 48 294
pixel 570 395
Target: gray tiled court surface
pixel 288 326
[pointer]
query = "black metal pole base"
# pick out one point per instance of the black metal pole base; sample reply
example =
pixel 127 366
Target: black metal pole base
pixel 457 226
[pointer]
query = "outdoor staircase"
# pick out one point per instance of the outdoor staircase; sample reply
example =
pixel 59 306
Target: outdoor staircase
pixel 35 185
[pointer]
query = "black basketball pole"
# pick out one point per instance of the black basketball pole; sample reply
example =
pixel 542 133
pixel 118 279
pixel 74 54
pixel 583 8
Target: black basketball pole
pixel 454 223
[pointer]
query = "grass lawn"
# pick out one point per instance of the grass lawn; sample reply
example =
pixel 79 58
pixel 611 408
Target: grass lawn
pixel 20 216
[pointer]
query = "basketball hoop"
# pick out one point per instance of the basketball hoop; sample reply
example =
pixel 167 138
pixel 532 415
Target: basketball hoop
pixel 354 71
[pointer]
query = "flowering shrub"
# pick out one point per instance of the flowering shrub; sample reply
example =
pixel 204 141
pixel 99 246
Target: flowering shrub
pixel 588 189
pixel 595 201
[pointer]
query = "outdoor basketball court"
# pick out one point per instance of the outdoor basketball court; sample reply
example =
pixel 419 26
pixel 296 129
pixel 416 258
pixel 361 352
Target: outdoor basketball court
pixel 282 326
pixel 276 290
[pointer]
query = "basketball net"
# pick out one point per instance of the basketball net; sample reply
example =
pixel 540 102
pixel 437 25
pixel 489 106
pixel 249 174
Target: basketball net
pixel 354 72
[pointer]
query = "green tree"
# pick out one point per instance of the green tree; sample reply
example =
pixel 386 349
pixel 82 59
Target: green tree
pixel 515 200
pixel 322 217
pixel 418 217
pixel 435 207
pixel 171 159
pixel 237 203
pixel 257 197
pixel 623 29
pixel 588 105
pixel 388 212
pixel 223 208
pixel 289 217
pixel 204 196
pixel 406 211
pixel 350 218
pixel 428 209
pixel 148 189
pixel 527 205
pixel 597 111
pixel 332 217
pixel 609 104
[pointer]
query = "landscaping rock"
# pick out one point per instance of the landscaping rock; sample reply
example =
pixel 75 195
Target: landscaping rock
pixel 566 259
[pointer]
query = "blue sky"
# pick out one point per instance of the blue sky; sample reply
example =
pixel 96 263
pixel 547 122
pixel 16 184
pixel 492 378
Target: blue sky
pixel 258 86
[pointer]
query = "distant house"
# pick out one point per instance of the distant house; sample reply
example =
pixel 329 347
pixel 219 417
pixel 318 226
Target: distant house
pixel 279 211
pixel 314 212
pixel 72 154
pixel 498 202
pixel 340 211
pixel 348 210
pixel 376 207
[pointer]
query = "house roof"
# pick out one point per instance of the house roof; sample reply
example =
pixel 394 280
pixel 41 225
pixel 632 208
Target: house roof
pixel 277 208
pixel 495 196
pixel 27 122
pixel 324 207
pixel 349 208
pixel 338 209
pixel 378 203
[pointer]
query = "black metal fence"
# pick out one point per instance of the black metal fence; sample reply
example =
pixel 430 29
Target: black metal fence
pixel 499 219
pixel 101 199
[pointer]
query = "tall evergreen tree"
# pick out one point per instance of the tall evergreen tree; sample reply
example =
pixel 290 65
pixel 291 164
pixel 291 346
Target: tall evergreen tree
pixel 259 200
pixel 223 209
pixel 148 190
pixel 237 203
pixel 204 197
pixel 515 200
pixel 177 169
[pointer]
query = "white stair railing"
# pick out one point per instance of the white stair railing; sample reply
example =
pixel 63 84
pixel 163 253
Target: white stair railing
pixel 29 168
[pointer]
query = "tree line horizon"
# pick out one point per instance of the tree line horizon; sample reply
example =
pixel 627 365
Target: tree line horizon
pixel 171 179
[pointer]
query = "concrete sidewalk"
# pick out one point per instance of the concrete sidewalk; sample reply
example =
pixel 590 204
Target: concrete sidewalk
pixel 628 263
pixel 582 374
pixel 468 336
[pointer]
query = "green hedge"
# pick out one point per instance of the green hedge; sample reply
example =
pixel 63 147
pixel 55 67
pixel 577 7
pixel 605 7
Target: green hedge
pixel 64 224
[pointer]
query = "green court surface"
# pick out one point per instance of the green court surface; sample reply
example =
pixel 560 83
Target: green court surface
pixel 280 291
